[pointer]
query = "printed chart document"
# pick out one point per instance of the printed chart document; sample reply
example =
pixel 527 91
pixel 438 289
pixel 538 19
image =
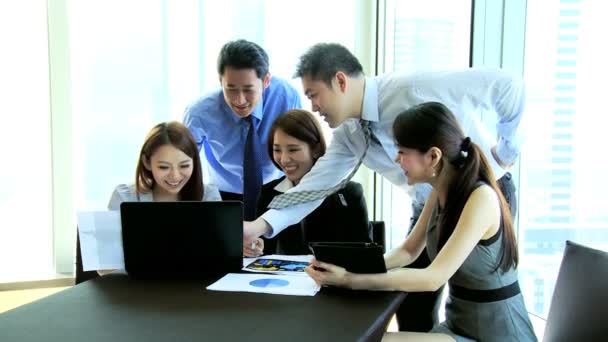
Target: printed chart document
pixel 278 264
pixel 294 285
pixel 100 240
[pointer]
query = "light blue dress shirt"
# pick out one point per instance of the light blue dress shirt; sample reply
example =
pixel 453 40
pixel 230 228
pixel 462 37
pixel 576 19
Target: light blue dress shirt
pixel 220 134
pixel 127 193
pixel 471 94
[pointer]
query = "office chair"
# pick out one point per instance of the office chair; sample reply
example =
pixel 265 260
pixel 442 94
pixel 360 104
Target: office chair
pixel 81 275
pixel 378 233
pixel 580 300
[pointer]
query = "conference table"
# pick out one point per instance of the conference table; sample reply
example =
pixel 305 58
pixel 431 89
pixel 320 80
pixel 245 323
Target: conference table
pixel 118 308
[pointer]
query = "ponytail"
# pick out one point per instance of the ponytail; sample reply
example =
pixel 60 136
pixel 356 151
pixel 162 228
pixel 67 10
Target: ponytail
pixel 471 161
pixel 431 124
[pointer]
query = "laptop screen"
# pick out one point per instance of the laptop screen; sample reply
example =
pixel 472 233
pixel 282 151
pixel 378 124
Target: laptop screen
pixel 184 239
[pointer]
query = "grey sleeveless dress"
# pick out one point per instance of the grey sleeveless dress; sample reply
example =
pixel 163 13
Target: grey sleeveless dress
pixel 483 304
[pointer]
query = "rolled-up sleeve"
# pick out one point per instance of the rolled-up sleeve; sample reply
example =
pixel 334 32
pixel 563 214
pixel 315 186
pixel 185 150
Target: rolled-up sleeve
pixel 509 100
pixel 192 120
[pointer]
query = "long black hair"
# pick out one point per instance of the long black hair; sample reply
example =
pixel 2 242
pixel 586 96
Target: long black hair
pixel 432 124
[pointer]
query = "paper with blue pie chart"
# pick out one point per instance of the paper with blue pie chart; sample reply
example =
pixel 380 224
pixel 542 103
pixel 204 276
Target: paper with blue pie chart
pixel 294 285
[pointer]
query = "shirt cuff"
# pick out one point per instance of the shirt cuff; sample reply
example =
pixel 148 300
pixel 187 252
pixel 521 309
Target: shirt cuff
pixel 498 170
pixel 506 151
pixel 277 220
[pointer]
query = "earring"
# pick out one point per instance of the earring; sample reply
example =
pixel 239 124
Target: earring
pixel 434 174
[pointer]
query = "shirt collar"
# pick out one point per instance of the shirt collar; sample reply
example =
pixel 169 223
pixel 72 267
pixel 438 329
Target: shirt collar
pixel 370 100
pixel 284 185
pixel 258 111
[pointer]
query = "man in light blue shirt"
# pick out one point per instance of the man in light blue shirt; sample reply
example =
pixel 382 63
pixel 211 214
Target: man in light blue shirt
pixel 230 125
pixel 334 82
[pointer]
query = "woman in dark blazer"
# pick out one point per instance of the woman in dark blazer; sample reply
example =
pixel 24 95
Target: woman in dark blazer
pixel 295 142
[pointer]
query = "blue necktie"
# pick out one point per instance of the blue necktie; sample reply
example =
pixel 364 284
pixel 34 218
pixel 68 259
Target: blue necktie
pixel 252 169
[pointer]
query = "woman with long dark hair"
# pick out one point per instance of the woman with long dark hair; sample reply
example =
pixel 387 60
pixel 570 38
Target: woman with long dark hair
pixel 467 230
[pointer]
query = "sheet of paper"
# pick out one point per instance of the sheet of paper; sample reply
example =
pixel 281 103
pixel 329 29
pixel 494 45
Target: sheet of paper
pixel 100 240
pixel 279 264
pixel 267 283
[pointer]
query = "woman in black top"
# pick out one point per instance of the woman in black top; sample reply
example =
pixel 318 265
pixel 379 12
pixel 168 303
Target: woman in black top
pixel 295 142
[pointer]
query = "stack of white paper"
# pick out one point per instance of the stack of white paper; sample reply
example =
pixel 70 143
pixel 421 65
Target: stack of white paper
pixel 267 283
pixel 100 240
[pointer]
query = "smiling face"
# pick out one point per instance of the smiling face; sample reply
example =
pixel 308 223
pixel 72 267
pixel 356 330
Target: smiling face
pixel 328 101
pixel 415 165
pixel 294 156
pixel 171 169
pixel 242 89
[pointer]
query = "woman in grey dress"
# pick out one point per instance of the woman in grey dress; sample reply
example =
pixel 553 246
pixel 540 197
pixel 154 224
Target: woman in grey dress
pixel 467 229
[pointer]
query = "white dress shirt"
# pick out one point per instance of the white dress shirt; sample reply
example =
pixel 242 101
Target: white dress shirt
pixel 470 94
pixel 284 185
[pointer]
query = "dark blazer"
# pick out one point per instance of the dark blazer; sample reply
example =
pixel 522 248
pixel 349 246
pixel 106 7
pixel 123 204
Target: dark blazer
pixel 341 217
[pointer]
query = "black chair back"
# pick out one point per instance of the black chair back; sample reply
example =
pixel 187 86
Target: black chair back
pixel 580 301
pixel 379 233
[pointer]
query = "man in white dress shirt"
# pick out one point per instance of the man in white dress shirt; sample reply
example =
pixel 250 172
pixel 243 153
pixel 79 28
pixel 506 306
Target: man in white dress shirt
pixel 334 81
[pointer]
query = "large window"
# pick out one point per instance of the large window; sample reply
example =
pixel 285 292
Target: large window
pixel 120 89
pixel 126 77
pixel 137 63
pixel 117 68
pixel 25 199
pixel 563 164
pixel 418 36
